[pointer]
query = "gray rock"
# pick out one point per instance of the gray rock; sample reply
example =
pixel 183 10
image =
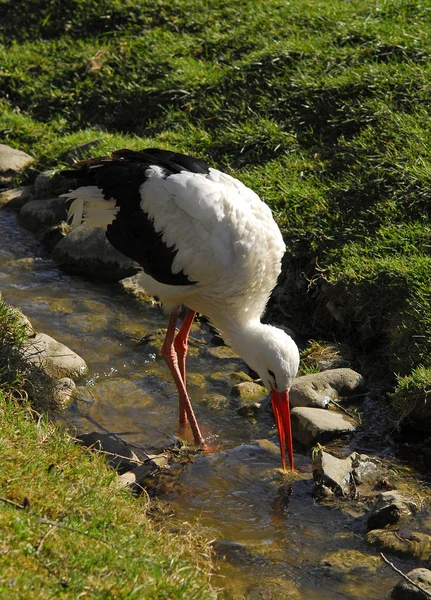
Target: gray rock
pixel 63 391
pixel 366 469
pixel 311 425
pixel 389 508
pixel 24 322
pixel 317 389
pixel 118 453
pixel 333 473
pixel 86 251
pixel 133 467
pixel 49 184
pixel 12 162
pixel 40 215
pixel 16 198
pixel 403 542
pixel 54 358
pixel 249 390
pixel 406 591
pixel 250 396
pixel 346 561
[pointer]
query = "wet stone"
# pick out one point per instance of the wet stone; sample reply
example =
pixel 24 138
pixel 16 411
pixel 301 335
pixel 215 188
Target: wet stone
pixel 401 542
pixel 12 162
pixel 274 588
pixel 249 397
pixel 333 473
pixel 318 389
pixel 16 198
pixel 86 251
pixel 119 454
pixel 215 401
pixel 407 591
pixel 350 561
pixel 49 184
pixel 389 508
pixel 63 391
pixel 131 285
pixel 153 340
pixel 236 553
pixel 226 380
pixel 54 358
pixel 221 351
pixel 366 469
pixel 311 425
pixel 249 391
pixel 40 215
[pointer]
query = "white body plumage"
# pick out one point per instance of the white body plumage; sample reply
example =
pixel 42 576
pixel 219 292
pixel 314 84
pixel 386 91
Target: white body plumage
pixel 227 243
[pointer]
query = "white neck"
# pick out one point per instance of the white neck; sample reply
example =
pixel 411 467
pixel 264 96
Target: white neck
pixel 264 348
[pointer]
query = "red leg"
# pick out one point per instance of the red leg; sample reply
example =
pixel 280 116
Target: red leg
pixel 170 356
pixel 180 342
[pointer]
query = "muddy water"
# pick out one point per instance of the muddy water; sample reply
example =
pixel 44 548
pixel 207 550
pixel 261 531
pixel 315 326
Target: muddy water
pixel 272 533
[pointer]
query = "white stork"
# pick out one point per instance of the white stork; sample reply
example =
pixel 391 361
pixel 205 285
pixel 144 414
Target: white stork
pixel 205 241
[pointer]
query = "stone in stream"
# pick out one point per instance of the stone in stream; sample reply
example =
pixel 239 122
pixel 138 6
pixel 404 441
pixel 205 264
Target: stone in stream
pixel 249 397
pixel 40 215
pixel 86 251
pixel 15 198
pixel 401 542
pixel 389 508
pixel 318 389
pixel 63 391
pixel 339 475
pixel 12 162
pixel 407 591
pixel 312 425
pixel 54 358
pixel 332 473
pixel 133 467
pixel 50 183
pixel 366 469
pixel 350 561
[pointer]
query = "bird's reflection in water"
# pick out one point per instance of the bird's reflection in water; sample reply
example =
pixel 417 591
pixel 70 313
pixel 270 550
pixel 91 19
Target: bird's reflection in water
pixel 280 505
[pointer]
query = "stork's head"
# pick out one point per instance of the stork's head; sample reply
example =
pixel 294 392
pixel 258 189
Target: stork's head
pixel 275 357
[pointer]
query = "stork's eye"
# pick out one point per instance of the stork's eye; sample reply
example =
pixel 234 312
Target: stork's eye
pixel 271 374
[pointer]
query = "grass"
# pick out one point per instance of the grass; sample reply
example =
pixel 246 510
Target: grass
pixel 322 108
pixel 68 530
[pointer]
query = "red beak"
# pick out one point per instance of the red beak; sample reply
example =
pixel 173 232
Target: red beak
pixel 280 405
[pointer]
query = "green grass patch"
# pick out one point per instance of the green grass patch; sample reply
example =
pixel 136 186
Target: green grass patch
pixel 322 108
pixel 69 530
pixel 411 402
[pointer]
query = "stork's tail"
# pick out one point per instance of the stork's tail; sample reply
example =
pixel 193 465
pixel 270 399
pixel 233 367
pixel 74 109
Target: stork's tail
pixel 90 207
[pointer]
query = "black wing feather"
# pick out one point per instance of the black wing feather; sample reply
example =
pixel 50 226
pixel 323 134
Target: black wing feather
pixel 120 176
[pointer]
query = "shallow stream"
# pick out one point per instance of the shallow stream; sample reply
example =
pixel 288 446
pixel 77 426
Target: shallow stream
pixel 274 535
